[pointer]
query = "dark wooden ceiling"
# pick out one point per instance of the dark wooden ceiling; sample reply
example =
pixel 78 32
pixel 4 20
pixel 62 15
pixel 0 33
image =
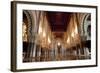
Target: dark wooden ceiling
pixel 58 20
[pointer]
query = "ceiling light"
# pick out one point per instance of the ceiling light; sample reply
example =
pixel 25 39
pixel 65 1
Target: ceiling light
pixel 58 43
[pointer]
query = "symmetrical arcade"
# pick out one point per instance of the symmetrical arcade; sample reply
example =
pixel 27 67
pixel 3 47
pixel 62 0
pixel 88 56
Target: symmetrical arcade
pixel 56 36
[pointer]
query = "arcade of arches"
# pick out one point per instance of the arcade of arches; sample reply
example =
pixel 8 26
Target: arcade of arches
pixel 56 36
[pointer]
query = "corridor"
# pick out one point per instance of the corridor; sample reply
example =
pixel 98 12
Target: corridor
pixel 56 36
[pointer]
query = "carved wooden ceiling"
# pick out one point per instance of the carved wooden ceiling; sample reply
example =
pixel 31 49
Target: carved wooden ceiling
pixel 58 22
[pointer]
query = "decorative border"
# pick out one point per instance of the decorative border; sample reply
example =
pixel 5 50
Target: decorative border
pixel 14 34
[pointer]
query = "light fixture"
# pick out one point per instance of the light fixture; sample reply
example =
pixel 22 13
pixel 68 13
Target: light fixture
pixel 40 30
pixel 49 41
pixel 68 40
pixel 40 27
pixel 72 34
pixel 76 30
pixel 58 44
pixel 44 34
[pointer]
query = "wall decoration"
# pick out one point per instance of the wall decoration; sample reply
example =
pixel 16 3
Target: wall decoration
pixel 47 36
